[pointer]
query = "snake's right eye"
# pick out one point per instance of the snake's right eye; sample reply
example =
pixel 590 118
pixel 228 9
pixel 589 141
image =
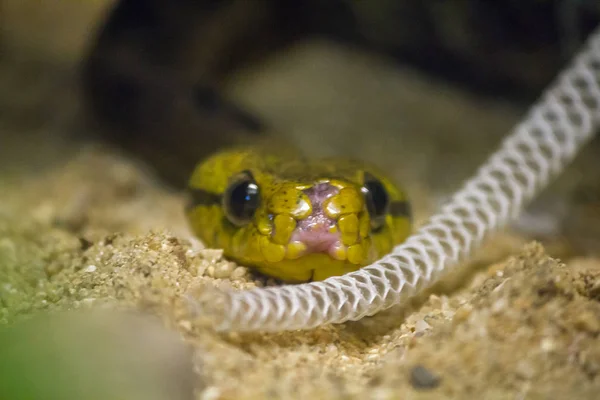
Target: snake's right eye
pixel 377 200
pixel 241 199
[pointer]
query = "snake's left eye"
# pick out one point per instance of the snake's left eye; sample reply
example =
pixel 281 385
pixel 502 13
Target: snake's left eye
pixel 241 199
pixel 377 200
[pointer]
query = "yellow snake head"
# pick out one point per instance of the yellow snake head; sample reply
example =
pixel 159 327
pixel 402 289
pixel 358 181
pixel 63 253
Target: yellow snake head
pixel 294 219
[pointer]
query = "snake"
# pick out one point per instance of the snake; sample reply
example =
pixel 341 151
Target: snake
pixel 268 206
pixel 295 218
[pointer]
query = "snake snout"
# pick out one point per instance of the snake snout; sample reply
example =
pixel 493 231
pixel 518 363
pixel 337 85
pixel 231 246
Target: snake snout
pixel 319 232
pixel 322 217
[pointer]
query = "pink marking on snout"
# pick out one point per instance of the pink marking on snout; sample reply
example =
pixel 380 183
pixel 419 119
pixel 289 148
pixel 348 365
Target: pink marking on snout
pixel 314 230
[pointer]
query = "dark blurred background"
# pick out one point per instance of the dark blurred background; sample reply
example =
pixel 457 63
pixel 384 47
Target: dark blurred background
pixel 507 47
pixel 504 49
pixel 186 49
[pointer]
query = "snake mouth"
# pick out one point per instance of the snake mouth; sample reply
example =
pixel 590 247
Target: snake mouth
pixel 324 236
pixel 319 238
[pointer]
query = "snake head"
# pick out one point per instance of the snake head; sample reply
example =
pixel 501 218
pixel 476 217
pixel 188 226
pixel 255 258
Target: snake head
pixel 293 219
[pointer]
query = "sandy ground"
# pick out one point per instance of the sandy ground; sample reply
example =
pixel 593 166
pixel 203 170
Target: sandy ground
pixel 82 226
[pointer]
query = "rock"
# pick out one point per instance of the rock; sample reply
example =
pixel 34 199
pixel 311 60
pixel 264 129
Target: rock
pixel 422 378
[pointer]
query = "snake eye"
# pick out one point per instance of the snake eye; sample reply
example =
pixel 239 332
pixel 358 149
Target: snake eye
pixel 241 199
pixel 377 200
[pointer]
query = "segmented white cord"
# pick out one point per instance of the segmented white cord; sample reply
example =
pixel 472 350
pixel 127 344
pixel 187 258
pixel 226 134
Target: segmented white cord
pixel 564 119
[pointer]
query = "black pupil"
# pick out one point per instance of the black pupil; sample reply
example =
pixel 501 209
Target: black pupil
pixel 377 200
pixel 242 201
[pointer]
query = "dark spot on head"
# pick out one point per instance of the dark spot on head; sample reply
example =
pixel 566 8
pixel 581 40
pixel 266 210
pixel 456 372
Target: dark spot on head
pixel 343 206
pixel 285 200
pixel 285 192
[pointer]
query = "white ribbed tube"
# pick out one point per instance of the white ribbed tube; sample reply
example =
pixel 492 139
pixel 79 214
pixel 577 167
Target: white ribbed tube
pixel 566 117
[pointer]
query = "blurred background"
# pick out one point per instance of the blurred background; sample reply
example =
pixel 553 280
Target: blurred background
pixel 106 105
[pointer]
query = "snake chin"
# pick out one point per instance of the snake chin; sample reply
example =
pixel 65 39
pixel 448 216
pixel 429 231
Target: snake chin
pixel 326 243
pixel 322 239
pixel 317 237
